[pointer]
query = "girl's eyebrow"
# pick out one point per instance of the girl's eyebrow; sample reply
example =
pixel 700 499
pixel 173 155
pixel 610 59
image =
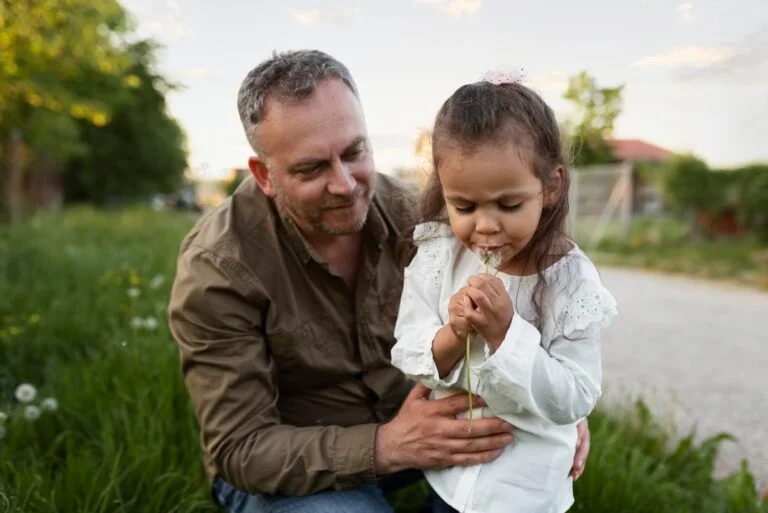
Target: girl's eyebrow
pixel 506 196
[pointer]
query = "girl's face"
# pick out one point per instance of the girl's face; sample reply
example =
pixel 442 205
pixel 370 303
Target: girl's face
pixel 494 201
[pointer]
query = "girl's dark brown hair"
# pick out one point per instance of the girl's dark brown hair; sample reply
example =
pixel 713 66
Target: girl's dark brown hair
pixel 510 113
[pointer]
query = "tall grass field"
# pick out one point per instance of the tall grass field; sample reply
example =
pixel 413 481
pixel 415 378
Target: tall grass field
pixel 94 416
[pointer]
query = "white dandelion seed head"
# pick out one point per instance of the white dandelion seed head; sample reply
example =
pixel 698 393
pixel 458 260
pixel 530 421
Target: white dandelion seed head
pixel 32 412
pixel 137 323
pixel 157 281
pixel 3 417
pixel 150 323
pixel 25 393
pixel 49 404
pixel 134 292
pixel 490 258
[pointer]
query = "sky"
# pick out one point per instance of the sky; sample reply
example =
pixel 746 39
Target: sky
pixel 695 73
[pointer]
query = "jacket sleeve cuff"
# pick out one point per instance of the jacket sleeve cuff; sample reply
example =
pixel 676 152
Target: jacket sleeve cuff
pixel 353 457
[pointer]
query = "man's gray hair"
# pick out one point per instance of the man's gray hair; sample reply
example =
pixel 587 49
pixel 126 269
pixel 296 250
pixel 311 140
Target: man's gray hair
pixel 289 76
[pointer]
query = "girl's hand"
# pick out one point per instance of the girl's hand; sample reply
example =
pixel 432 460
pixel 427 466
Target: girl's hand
pixel 457 319
pixel 490 310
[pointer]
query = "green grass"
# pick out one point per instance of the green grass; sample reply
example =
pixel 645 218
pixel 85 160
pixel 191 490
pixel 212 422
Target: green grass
pixel 124 439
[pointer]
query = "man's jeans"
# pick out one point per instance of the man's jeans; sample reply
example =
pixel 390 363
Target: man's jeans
pixel 366 499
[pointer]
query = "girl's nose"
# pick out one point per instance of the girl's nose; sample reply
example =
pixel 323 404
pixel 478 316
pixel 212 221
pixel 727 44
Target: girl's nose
pixel 487 224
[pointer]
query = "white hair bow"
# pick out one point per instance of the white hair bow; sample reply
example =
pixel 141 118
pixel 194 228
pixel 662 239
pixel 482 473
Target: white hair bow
pixel 508 76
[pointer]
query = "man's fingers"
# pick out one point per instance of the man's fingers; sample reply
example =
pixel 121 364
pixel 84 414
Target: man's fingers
pixel 476 458
pixel 482 427
pixel 418 391
pixel 454 404
pixel 582 449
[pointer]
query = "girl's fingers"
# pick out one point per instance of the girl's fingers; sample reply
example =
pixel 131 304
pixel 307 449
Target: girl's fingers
pixel 480 298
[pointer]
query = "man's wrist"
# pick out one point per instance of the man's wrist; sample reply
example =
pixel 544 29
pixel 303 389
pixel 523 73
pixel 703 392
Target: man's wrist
pixel 384 459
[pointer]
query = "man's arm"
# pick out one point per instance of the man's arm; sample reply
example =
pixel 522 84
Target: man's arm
pixel 216 315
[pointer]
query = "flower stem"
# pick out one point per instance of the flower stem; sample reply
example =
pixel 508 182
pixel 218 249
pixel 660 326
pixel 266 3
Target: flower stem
pixel 469 379
pixel 468 356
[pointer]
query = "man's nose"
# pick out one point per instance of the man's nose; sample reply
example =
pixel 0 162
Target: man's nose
pixel 341 183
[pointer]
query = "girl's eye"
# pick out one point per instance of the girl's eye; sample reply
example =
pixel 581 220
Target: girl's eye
pixel 464 210
pixel 511 208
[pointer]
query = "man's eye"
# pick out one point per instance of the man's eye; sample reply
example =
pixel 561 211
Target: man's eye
pixel 354 153
pixel 308 171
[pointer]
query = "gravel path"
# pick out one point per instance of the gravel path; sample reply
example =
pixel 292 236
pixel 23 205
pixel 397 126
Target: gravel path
pixel 698 353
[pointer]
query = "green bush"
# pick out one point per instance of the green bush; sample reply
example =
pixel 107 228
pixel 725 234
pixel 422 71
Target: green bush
pixel 691 187
pixel 753 198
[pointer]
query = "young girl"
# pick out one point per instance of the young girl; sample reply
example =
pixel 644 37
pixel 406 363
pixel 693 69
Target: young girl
pixel 494 264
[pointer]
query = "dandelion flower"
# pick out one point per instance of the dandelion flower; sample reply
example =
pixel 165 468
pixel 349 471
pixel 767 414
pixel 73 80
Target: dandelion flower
pixel 491 259
pixel 26 393
pixel 49 404
pixel 134 292
pixel 137 323
pixel 157 281
pixel 3 417
pixel 150 323
pixel 31 412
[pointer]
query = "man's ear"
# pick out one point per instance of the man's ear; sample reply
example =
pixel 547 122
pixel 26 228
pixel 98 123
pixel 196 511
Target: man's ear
pixel 554 189
pixel 262 176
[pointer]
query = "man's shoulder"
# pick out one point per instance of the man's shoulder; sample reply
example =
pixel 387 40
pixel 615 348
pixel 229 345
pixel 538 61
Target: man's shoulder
pixel 398 199
pixel 225 229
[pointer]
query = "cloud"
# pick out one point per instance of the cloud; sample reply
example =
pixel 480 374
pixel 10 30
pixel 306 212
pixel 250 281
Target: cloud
pixel 686 12
pixel 317 16
pixel 549 80
pixel 744 62
pixel 689 56
pixel 166 20
pixel 455 7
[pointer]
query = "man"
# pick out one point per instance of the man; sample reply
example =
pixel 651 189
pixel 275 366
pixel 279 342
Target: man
pixel 284 306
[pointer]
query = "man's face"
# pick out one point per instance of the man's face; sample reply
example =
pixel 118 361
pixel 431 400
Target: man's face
pixel 320 163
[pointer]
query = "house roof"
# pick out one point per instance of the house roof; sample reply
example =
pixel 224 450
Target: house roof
pixel 635 149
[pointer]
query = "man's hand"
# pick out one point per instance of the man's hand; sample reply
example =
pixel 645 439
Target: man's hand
pixel 582 449
pixel 425 434
pixel 490 309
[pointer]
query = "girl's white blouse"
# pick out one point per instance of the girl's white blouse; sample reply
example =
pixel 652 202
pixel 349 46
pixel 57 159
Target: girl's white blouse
pixel 543 379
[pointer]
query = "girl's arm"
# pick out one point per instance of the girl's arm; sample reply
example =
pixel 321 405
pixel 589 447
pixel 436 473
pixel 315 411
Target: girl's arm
pixel 562 383
pixel 423 340
pixel 447 350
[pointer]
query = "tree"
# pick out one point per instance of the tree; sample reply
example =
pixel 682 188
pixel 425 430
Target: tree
pixel 596 111
pixel 142 150
pixel 46 47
